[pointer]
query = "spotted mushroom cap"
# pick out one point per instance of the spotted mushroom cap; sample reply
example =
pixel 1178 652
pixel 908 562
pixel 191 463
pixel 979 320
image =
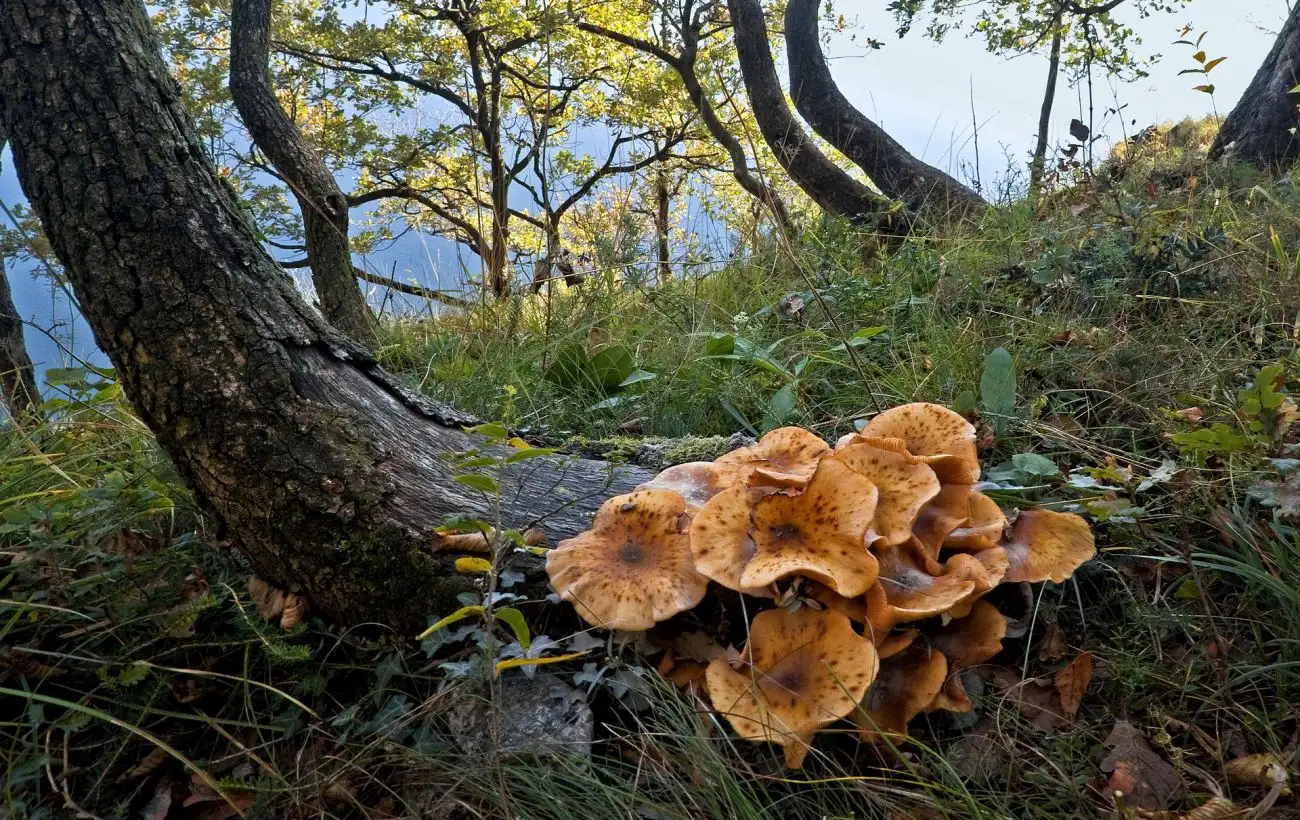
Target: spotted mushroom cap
pixel 786 457
pixel 634 567
pixel 983 529
pixel 947 512
pixel 819 534
pixel 1047 546
pixel 974 639
pixel 914 594
pixel 907 684
pixel 905 483
pixel 943 438
pixel 695 481
pixel 805 669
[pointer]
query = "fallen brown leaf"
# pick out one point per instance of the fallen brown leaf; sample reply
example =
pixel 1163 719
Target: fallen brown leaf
pixel 1146 780
pixel 1053 646
pixel 1072 682
pixel 148 766
pixel 1193 415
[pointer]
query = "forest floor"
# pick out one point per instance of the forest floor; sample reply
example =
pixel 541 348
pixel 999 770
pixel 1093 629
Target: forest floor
pixel 1152 317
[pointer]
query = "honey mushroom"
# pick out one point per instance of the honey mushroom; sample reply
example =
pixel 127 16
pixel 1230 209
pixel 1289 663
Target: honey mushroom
pixel 818 534
pixel 885 530
pixel 633 568
pixel 799 672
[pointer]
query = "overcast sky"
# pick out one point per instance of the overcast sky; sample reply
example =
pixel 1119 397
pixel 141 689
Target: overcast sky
pixel 920 92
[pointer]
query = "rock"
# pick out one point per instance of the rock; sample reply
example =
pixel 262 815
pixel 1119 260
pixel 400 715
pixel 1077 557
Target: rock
pixel 542 716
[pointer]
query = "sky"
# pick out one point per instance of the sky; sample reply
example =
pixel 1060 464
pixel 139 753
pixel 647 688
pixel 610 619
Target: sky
pixel 928 96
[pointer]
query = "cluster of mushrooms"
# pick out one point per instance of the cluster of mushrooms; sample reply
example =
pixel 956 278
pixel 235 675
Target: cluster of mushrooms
pixel 878 551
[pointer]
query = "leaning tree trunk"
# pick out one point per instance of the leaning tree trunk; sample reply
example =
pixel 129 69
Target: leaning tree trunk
pixel 323 205
pixel 895 172
pixel 1038 165
pixel 1262 129
pixel 834 191
pixel 322 470
pixel 17 382
pixel 17 379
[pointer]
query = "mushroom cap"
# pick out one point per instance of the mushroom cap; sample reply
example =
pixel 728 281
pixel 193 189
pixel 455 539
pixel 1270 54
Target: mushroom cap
pixel 695 481
pixel 940 436
pixel 914 594
pixel 952 697
pixel 634 567
pixel 897 642
pixel 907 684
pixel 819 534
pixel 974 639
pixel 984 527
pixel 785 457
pixel 939 518
pixel 1047 546
pixel 806 669
pixel 905 483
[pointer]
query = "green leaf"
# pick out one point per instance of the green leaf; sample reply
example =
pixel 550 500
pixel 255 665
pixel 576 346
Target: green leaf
pixel 459 615
pixel 638 376
pixel 568 368
pixel 610 367
pixel 530 453
pixel 470 565
pixel 1034 465
pixel 514 663
pixel 515 619
pixel 1212 63
pixel 66 376
pixel 1204 89
pixel 480 482
pixel 492 430
pixel 780 406
pixel 720 344
pixel 998 384
pixel 1218 438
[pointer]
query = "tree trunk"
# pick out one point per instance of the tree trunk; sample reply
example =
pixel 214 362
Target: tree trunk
pixel 834 191
pixel 663 200
pixel 17 381
pixel 327 474
pixel 1262 128
pixel 1038 166
pixel 323 205
pixel 894 171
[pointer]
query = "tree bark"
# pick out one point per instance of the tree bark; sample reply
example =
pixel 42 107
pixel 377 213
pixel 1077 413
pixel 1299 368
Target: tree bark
pixel 323 205
pixel 834 191
pixel 321 469
pixel 898 174
pixel 1262 129
pixel 663 201
pixel 17 377
pixel 1038 165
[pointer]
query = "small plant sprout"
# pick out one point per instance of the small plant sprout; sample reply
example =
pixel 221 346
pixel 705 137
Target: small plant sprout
pixel 885 531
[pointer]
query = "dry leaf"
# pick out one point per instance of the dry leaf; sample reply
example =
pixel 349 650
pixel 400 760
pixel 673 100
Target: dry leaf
pixel 1146 780
pixel 1193 415
pixel 1265 770
pixel 148 766
pixel 195 585
pixel 696 646
pixel 1072 682
pixel 1053 646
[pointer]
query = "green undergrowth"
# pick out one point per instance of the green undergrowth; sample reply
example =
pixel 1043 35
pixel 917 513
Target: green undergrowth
pixel 1150 321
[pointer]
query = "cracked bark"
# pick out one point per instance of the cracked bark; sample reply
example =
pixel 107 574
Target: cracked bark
pixel 1261 129
pixel 818 99
pixel 326 474
pixel 323 205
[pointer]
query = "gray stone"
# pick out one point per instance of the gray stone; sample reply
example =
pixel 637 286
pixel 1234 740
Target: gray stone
pixel 541 716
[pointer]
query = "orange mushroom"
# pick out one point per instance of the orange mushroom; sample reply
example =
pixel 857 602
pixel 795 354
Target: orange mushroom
pixel 974 639
pixel 984 527
pixel 914 594
pixel 952 696
pixel 1047 546
pixel 786 457
pixel 802 671
pixel 633 568
pixel 944 439
pixel 943 515
pixel 695 481
pixel 905 483
pixel 907 684
pixel 819 534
